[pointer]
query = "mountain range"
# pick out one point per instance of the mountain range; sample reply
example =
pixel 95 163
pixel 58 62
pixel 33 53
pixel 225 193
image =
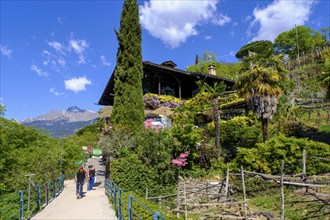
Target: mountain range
pixel 63 123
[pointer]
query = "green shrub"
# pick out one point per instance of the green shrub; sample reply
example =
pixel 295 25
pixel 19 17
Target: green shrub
pixel 266 157
pixel 237 132
pixel 132 174
pixel 325 128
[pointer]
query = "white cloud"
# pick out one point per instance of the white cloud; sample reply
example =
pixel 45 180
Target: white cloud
pixel 278 17
pixel 64 51
pixel 221 20
pixel 55 61
pixel 208 37
pixel 79 47
pixel 52 90
pixel 39 71
pixel 77 84
pixel 46 52
pixel 104 61
pixel 57 46
pixel 174 21
pixel 5 51
pixel 60 20
pixel 247 19
pixel 61 61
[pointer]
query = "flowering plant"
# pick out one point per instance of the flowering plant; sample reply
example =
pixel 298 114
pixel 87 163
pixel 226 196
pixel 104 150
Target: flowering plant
pixel 181 161
pixel 148 123
pixel 162 100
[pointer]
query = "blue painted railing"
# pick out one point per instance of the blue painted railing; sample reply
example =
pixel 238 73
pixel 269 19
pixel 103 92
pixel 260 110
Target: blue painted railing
pixel 15 205
pixel 126 206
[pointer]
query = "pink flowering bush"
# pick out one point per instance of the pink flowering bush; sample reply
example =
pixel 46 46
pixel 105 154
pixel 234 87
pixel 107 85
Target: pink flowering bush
pixel 147 123
pixel 181 161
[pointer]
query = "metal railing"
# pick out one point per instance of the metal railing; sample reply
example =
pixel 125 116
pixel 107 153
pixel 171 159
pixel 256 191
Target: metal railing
pixel 19 206
pixel 126 206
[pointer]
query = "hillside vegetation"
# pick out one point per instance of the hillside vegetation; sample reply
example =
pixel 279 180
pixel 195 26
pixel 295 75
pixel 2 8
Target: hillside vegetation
pixel 25 150
pixel 288 113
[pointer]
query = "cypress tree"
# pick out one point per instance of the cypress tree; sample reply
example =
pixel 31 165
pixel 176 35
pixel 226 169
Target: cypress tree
pixel 128 109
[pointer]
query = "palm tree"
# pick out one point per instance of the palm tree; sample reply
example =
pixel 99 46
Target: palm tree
pixel 215 92
pixel 259 82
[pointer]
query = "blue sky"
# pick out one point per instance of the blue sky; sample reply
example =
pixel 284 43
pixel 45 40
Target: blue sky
pixel 57 54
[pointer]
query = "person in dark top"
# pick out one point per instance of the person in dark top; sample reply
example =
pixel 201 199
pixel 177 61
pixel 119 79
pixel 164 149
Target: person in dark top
pixel 91 177
pixel 80 179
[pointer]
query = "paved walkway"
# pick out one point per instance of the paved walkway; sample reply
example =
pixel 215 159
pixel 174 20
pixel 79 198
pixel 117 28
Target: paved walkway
pixel 94 205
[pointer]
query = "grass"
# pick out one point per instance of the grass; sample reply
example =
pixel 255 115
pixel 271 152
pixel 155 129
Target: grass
pixel 298 204
pixel 313 119
pixel 325 128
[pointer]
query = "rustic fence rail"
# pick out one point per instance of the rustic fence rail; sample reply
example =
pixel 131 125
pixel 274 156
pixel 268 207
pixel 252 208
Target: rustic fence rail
pixel 215 199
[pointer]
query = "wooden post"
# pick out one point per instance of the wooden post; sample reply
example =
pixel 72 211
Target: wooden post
pixel 244 195
pixel 146 193
pixel 304 176
pixel 282 191
pixel 207 190
pixel 159 201
pixel 315 187
pixel 178 200
pixel 220 190
pixel 227 182
pixel 304 163
pixel 185 201
pixel 318 119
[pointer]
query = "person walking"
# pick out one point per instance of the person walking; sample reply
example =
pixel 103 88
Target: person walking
pixel 87 176
pixel 80 179
pixel 91 177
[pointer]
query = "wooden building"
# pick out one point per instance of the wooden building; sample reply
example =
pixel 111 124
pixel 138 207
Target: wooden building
pixel 165 79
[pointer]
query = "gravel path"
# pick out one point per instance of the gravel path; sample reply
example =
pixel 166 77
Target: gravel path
pixel 94 205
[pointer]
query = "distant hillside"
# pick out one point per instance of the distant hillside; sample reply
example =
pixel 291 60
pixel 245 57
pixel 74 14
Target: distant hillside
pixel 63 123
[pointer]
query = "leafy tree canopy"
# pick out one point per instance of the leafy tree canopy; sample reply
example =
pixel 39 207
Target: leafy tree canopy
pixel 2 109
pixel 226 70
pixel 263 48
pixel 305 38
pixel 25 150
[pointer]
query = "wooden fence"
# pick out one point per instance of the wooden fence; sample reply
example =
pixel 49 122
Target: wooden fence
pixel 222 199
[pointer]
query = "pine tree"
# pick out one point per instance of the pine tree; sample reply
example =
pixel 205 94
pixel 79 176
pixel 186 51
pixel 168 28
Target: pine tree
pixel 128 101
